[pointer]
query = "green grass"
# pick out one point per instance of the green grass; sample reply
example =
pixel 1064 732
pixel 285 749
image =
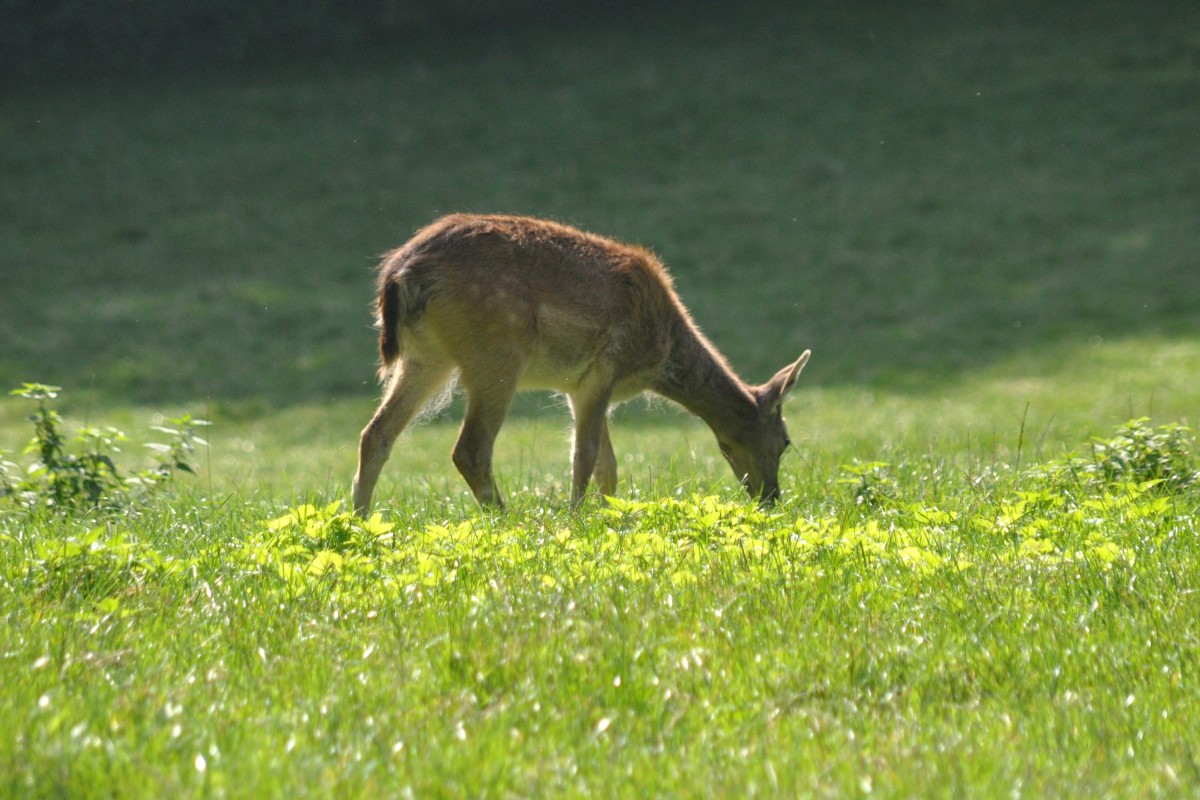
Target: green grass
pixel 972 632
pixel 909 193
pixel 981 220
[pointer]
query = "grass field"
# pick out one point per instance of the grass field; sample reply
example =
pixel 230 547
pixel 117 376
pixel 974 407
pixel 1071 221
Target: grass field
pixel 981 220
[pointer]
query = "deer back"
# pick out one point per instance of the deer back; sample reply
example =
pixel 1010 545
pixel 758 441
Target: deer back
pixel 561 302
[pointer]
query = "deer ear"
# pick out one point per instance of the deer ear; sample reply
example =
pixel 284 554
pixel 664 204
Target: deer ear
pixel 778 387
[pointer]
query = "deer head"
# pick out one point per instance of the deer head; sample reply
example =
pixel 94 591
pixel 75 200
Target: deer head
pixel 754 447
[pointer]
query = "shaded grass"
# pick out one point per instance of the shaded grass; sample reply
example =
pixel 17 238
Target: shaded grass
pixel 910 193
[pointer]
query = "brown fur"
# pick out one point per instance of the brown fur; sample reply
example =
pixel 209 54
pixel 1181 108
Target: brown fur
pixel 514 302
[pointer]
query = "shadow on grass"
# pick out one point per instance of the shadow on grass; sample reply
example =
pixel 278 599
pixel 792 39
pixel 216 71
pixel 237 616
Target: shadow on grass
pixel 909 194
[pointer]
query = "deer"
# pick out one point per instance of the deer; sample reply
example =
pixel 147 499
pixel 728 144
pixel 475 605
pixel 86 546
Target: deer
pixel 511 303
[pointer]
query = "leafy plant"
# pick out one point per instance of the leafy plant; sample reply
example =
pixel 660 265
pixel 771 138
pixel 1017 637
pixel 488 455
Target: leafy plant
pixel 871 483
pixel 95 565
pixel 174 455
pixel 1139 452
pixel 317 546
pixel 80 472
pixel 315 528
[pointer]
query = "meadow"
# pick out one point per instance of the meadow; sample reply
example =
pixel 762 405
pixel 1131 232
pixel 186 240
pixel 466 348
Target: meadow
pixel 982 580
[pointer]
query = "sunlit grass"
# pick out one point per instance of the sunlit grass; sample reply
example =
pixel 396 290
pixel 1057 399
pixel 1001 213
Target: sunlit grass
pixel 1033 406
pixel 1030 630
pixel 953 621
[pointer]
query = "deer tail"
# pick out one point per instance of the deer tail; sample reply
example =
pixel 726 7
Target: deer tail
pixel 389 324
pixel 404 289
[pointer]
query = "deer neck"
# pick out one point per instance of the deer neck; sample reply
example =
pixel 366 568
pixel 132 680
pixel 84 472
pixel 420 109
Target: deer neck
pixel 698 378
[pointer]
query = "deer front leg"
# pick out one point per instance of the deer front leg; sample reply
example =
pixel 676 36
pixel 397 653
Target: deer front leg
pixel 589 431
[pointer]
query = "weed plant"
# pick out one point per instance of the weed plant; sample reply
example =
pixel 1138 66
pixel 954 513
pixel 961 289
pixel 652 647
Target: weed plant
pixel 87 477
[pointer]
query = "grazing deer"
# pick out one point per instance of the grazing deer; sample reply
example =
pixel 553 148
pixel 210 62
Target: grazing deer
pixel 519 303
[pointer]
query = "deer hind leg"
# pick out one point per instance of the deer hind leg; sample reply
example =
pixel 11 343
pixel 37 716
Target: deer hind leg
pixel 593 451
pixel 487 406
pixel 407 394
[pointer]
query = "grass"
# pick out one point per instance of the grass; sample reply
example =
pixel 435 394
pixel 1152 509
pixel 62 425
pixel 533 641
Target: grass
pixel 1006 631
pixel 981 220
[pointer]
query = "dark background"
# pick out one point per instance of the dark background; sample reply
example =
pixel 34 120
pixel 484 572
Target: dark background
pixel 62 37
pixel 193 194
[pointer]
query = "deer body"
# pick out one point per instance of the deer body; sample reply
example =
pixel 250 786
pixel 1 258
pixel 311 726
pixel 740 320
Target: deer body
pixel 512 303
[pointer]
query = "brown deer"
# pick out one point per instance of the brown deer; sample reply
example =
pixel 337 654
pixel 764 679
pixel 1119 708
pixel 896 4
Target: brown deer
pixel 515 303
